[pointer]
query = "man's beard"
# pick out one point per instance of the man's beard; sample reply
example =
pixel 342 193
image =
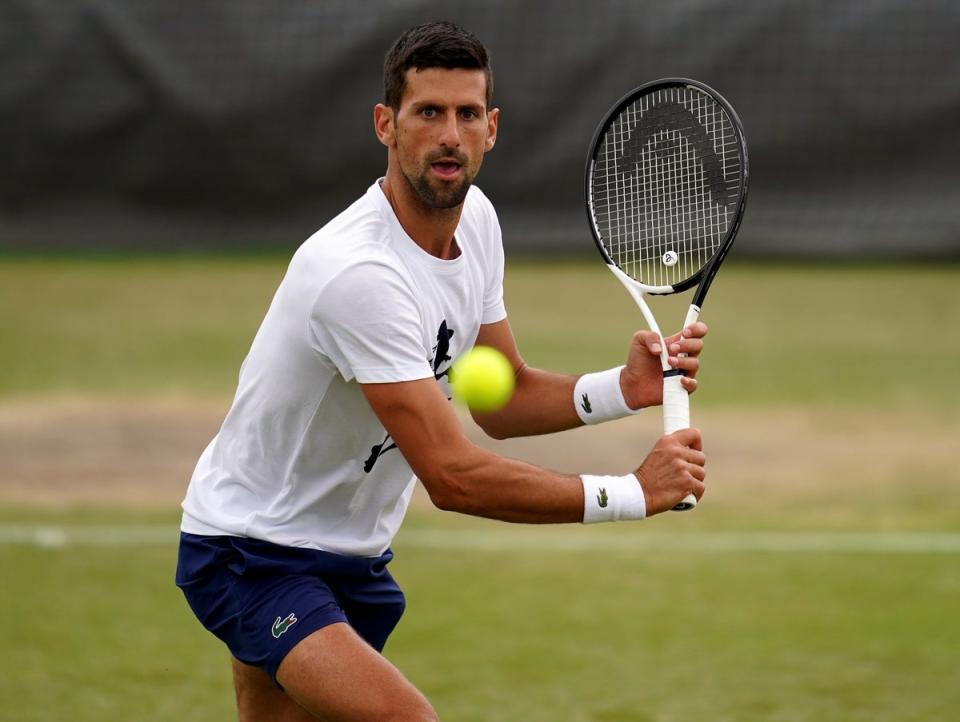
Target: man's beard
pixel 449 195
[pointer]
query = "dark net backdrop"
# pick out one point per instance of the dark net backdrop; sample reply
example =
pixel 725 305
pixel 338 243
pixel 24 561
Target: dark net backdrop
pixel 246 123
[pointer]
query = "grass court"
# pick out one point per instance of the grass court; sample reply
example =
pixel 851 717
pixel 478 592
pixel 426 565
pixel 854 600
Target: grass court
pixel 818 581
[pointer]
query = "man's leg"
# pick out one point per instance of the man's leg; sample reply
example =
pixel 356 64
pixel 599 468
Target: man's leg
pixel 338 677
pixel 260 700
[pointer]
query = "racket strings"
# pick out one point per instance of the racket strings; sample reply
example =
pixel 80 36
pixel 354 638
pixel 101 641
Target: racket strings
pixel 665 183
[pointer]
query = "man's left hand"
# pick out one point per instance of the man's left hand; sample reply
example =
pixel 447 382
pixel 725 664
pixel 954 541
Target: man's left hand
pixel 641 381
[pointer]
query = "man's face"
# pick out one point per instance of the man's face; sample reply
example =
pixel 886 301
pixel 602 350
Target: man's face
pixel 441 131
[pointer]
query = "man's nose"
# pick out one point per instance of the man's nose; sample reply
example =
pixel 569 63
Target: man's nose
pixel 450 132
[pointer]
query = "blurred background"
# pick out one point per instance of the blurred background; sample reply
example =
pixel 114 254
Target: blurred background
pixel 249 124
pixel 159 163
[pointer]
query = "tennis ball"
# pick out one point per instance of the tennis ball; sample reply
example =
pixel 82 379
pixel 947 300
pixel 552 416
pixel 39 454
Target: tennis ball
pixel 483 379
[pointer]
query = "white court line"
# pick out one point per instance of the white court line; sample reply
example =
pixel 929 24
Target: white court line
pixel 52 536
pixel 631 541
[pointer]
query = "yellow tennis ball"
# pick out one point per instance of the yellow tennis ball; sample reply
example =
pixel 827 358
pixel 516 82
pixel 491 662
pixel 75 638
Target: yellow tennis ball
pixel 482 379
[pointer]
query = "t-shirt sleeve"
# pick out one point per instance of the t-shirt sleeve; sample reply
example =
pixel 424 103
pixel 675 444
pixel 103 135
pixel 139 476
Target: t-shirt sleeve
pixel 367 322
pixel 494 308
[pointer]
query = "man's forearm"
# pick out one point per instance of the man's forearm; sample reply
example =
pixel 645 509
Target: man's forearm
pixel 471 480
pixel 542 403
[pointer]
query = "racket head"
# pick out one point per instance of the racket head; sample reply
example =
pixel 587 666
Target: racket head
pixel 666 184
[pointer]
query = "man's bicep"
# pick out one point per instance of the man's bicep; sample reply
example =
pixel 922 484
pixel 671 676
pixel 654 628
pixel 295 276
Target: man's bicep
pixel 499 335
pixel 542 401
pixel 421 422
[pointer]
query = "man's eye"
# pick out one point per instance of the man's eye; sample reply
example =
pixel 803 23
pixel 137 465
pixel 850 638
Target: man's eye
pixel 468 114
pixel 429 112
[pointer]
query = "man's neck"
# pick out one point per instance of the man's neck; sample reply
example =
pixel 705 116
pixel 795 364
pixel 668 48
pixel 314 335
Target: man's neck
pixel 432 229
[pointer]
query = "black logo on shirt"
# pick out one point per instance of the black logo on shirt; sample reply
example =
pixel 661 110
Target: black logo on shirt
pixel 441 352
pixel 441 355
pixel 376 452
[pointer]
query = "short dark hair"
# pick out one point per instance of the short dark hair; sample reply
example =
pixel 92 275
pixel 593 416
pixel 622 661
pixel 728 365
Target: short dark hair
pixel 432 45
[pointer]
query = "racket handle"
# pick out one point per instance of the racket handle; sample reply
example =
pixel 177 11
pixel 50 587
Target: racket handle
pixel 676 416
pixel 676 405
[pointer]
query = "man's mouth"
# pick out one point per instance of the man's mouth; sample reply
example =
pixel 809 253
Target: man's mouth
pixel 446 169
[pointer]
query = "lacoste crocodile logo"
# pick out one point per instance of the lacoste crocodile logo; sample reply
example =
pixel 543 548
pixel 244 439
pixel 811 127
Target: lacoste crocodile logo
pixel 602 498
pixel 281 626
pixel 586 403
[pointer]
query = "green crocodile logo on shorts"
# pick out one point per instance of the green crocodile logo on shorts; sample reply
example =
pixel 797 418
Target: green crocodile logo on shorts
pixel 602 498
pixel 282 625
pixel 586 404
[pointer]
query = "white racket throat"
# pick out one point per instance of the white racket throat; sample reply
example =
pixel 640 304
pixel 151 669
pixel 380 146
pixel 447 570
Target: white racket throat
pixel 676 400
pixel 638 291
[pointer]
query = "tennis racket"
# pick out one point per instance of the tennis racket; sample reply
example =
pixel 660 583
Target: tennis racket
pixel 666 185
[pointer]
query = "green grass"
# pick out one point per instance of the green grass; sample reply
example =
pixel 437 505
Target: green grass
pixel 574 636
pixel 129 326
pixel 534 633
pixel 101 634
pixel 782 334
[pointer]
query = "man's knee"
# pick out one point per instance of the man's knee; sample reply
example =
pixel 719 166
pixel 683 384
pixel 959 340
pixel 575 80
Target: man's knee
pixel 413 709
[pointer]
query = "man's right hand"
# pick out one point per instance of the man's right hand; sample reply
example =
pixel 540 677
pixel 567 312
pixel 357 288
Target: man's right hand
pixel 673 469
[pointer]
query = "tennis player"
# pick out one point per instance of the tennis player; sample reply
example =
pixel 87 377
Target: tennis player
pixel 343 400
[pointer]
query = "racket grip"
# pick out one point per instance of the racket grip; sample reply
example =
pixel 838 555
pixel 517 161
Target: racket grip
pixel 676 405
pixel 676 416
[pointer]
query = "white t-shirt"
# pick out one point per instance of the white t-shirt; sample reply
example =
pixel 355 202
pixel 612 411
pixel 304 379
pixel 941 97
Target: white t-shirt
pixel 301 459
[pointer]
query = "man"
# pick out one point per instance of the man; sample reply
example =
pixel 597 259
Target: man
pixel 343 400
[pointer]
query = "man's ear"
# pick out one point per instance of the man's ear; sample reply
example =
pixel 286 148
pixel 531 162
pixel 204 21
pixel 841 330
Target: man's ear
pixel 383 124
pixel 493 118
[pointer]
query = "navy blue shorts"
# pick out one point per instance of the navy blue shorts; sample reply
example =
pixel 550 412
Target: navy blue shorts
pixel 261 599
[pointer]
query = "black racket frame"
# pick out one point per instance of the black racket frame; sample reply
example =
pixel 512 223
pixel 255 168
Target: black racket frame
pixel 706 274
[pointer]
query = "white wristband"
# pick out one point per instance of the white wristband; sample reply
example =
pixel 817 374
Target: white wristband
pixel 597 397
pixel 612 498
